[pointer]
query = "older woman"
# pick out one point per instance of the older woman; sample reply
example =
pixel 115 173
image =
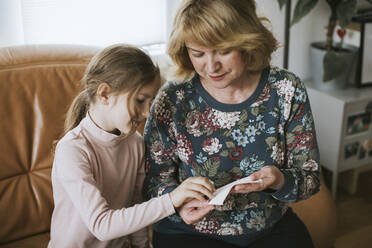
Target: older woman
pixel 231 115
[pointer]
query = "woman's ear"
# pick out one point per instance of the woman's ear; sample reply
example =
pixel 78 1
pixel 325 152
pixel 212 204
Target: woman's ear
pixel 103 93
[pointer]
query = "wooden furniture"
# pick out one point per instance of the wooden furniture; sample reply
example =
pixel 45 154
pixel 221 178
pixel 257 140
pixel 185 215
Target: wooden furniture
pixel 344 132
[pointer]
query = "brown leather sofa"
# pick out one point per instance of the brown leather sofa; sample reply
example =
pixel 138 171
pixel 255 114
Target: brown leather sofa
pixel 37 83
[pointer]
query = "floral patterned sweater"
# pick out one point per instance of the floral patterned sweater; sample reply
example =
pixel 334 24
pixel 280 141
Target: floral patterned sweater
pixel 189 133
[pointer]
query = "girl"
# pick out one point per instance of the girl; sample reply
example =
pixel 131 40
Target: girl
pixel 98 167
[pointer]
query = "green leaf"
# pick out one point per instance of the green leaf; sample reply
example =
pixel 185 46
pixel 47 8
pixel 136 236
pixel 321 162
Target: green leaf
pixel 237 171
pixel 219 215
pixel 298 128
pixel 303 7
pixel 241 202
pixel 255 111
pixel 212 166
pixel 202 172
pixel 282 3
pixel 253 197
pixel 230 144
pixel 262 109
pixel 224 153
pixel 333 64
pixel 268 211
pixel 221 179
pixel 243 117
pixel 270 141
pixel 290 137
pixel 300 159
pixel 227 133
pixel 345 11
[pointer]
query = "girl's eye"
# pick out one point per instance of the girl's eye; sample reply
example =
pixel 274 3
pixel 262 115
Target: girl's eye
pixel 140 101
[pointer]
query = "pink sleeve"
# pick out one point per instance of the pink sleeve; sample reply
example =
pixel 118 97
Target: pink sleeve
pixel 140 239
pixel 73 171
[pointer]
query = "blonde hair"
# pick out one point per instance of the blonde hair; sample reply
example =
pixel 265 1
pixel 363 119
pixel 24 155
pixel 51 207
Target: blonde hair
pixel 220 24
pixel 123 67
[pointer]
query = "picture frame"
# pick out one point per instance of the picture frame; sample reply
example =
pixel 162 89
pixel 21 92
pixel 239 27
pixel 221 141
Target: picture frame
pixel 358 123
pixel 364 65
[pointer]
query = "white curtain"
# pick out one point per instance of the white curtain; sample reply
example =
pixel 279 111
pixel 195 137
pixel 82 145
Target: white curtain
pixel 91 22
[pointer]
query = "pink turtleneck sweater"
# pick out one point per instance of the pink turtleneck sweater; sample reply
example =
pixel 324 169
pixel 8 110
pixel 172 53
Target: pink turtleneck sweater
pixel 97 180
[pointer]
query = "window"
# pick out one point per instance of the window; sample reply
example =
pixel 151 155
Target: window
pixel 93 22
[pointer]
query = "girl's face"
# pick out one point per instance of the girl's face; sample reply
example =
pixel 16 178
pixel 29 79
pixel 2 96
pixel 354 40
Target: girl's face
pixel 118 113
pixel 217 69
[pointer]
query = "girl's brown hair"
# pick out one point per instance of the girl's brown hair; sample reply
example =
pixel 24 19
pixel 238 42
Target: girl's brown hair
pixel 220 24
pixel 123 67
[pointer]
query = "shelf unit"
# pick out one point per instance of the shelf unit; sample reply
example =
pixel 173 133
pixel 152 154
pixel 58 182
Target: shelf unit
pixel 344 129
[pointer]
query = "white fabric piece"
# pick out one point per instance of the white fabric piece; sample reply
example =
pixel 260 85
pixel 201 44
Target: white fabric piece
pixel 221 193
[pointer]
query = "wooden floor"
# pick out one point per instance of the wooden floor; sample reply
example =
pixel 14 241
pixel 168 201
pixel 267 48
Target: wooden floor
pixel 354 229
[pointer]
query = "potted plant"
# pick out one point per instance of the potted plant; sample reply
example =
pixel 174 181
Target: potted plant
pixel 336 59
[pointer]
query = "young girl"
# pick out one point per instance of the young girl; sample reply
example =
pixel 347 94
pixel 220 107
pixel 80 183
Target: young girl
pixel 98 169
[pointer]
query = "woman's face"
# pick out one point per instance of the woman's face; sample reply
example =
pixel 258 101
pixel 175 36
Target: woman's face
pixel 218 69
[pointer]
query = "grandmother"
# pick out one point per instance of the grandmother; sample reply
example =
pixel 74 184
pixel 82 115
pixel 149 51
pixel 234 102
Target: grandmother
pixel 230 114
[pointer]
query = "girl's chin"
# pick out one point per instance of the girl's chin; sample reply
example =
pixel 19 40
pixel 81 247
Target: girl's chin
pixel 129 132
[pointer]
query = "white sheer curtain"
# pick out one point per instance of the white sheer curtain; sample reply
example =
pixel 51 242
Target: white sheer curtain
pixel 91 22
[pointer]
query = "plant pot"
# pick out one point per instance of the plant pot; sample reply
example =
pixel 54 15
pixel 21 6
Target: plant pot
pixel 348 52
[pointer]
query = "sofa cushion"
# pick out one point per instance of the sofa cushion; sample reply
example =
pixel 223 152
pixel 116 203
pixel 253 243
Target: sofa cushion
pixel 37 84
pixel 36 241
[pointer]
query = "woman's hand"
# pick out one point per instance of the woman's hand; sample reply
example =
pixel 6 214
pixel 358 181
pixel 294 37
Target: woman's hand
pixel 194 211
pixel 192 187
pixel 272 178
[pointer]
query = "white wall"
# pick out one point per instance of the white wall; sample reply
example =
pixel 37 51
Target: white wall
pixel 172 6
pixel 270 9
pixel 11 28
pixel 310 28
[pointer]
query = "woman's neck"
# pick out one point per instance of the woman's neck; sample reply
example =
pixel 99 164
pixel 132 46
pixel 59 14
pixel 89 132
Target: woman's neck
pixel 235 93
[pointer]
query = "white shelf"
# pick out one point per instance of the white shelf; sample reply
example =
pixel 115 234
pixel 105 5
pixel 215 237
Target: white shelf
pixel 332 110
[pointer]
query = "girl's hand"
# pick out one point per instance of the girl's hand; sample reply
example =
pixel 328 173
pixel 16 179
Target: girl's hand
pixel 192 187
pixel 194 211
pixel 272 178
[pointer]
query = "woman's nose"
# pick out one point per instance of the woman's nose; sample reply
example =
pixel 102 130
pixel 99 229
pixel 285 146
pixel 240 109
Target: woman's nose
pixel 213 63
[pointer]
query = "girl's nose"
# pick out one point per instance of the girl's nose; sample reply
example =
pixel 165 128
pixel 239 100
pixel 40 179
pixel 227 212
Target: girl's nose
pixel 146 111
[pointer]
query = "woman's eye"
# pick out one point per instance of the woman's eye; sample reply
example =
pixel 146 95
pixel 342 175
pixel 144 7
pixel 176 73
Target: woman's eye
pixel 224 52
pixel 197 54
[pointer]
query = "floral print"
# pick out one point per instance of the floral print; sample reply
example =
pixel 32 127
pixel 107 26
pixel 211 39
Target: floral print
pixel 190 134
pixel 286 92
pixel 251 164
pixel 207 226
pixel 225 120
pixel 256 220
pixel 211 145
pixel 230 229
pixel 184 148
pixel 194 123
